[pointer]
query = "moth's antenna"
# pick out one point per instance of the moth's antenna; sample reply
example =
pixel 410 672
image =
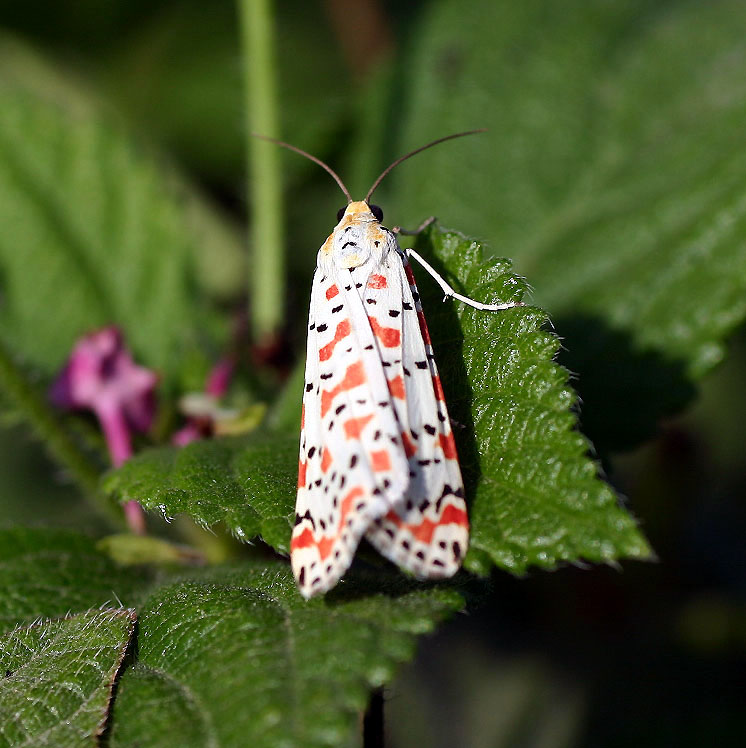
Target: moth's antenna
pixel 312 158
pixel 417 150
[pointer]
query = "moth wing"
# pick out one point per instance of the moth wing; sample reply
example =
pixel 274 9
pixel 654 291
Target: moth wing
pixel 427 532
pixel 352 469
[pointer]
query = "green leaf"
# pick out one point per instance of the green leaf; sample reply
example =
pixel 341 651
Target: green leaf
pixel 613 174
pixel 49 573
pixel 132 550
pixel 92 232
pixel 290 672
pixel 58 678
pixel 248 483
pixel 536 497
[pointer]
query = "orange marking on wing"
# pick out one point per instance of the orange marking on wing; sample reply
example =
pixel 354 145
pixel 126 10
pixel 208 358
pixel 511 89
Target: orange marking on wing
pixel 325 546
pixel 332 291
pixel 342 331
pixel 380 461
pixel 327 542
pixel 354 376
pixel 354 426
pixel 304 540
pixel 302 417
pixel 326 460
pixel 438 387
pixel 420 315
pixel 390 337
pixel 346 505
pixel 409 448
pixel 423 532
pixel 377 281
pixel 301 474
pixel 448 445
pixel 396 387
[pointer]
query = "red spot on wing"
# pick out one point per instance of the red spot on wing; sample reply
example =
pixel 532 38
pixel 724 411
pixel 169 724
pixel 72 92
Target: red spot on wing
pixel 438 387
pixel 423 328
pixel 307 540
pixel 354 377
pixel 452 515
pixel 325 546
pixel 332 291
pixel 423 532
pixel 302 416
pixel 342 331
pixel 409 448
pixel 347 503
pixel 326 543
pixel 354 426
pixel 377 281
pixel 301 474
pixel 390 337
pixel 396 387
pixel 448 445
pixel 380 461
pixel 420 315
pixel 326 460
pixel 304 540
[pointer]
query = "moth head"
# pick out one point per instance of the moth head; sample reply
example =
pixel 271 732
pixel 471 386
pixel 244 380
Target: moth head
pixel 359 210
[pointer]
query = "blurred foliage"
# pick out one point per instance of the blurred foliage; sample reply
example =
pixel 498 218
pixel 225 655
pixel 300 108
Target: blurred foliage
pixel 88 220
pixel 613 177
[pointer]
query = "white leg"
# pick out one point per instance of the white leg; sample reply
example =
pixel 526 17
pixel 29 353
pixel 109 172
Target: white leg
pixel 420 228
pixel 450 293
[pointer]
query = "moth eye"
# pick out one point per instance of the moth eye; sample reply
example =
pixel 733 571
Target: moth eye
pixel 340 214
pixel 377 212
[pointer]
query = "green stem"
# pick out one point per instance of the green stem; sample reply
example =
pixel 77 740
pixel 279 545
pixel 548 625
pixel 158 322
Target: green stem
pixel 58 440
pixel 267 268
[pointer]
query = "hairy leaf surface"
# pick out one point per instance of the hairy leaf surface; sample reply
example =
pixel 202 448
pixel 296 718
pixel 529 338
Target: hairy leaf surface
pixel 291 672
pixel 58 678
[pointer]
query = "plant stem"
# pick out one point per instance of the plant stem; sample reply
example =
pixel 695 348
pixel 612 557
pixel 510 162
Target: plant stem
pixel 57 439
pixel 267 268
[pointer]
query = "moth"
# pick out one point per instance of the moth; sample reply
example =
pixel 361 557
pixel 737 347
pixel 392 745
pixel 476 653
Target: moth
pixel 377 454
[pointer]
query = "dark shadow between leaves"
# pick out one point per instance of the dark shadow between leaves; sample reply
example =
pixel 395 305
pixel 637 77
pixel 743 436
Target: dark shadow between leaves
pixel 129 660
pixel 377 576
pixel 624 391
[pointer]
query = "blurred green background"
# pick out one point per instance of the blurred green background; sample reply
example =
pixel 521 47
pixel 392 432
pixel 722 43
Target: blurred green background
pixel 645 655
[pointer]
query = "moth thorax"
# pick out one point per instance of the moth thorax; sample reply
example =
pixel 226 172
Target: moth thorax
pixel 351 247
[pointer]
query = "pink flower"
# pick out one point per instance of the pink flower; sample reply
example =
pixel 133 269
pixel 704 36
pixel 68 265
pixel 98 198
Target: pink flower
pixel 219 379
pixel 191 432
pixel 203 410
pixel 102 376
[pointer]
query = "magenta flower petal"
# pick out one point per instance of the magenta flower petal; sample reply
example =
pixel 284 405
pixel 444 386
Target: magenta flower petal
pixel 188 434
pixel 102 376
pixel 219 378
